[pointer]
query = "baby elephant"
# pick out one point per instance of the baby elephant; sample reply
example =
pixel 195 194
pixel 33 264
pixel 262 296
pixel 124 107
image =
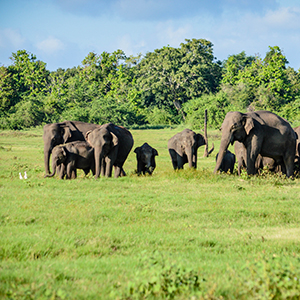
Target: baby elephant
pixel 72 156
pixel 145 156
pixel 227 162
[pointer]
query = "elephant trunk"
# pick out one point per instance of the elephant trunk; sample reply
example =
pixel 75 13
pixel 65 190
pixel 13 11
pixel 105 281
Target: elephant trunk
pixel 189 154
pixel 47 152
pixel 225 141
pixel 98 162
pixel 54 165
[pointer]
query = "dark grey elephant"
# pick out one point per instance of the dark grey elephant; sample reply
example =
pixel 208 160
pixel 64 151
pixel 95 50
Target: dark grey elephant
pixel 61 133
pixel 297 154
pixel 261 161
pixel 112 145
pixel 261 132
pixel 145 156
pixel 183 148
pixel 72 156
pixel 227 164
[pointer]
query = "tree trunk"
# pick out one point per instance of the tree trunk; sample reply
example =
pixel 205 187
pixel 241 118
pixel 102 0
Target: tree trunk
pixel 205 135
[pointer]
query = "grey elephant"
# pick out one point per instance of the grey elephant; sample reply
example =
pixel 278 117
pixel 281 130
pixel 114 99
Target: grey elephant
pixel 261 132
pixel 183 148
pixel 145 156
pixel 297 154
pixel 112 145
pixel 61 133
pixel 72 156
pixel 261 161
pixel 227 164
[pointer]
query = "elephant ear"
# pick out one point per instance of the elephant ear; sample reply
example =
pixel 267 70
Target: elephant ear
pixel 249 124
pixel 137 150
pixel 154 152
pixel 200 139
pixel 115 140
pixel 66 134
pixel 87 137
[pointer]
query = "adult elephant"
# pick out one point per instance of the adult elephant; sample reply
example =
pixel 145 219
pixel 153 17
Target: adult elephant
pixel 61 133
pixel 261 132
pixel 183 148
pixel 112 145
pixel 297 155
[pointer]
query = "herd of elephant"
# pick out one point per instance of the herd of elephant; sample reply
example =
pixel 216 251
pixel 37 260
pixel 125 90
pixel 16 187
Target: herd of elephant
pixel 261 138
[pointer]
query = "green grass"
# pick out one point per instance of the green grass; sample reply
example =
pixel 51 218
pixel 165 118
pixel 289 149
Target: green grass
pixel 127 238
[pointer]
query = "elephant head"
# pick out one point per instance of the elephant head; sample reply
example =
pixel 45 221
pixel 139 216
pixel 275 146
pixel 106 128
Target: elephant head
pixel 105 143
pixel 146 158
pixel 54 134
pixel 236 127
pixel 59 155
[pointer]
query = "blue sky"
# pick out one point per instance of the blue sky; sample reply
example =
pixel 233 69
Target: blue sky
pixel 61 33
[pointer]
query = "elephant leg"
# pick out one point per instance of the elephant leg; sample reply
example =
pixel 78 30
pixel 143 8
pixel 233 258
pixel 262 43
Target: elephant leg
pixel 253 149
pixel 109 166
pixel 103 167
pixel 62 171
pixel 173 156
pixel 118 171
pixel 289 165
pixel 195 160
pixel 74 174
pixel 180 162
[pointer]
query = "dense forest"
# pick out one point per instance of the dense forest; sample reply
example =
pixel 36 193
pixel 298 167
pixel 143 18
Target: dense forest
pixel 167 86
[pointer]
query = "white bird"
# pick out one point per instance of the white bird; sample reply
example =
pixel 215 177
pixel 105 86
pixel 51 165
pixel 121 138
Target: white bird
pixel 20 176
pixel 25 175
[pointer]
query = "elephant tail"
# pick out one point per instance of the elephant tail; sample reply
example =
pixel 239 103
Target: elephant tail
pixel 212 149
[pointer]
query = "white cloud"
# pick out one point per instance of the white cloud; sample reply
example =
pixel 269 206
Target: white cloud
pixel 51 45
pixel 172 36
pixel 11 38
pixel 286 17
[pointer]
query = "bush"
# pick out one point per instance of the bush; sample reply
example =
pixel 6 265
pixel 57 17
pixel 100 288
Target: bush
pixel 217 106
pixel 158 116
pixel 271 279
pixel 27 113
pixel 162 279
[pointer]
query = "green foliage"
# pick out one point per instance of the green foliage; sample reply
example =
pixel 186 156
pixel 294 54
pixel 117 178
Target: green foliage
pixel 272 278
pixel 158 116
pixel 262 84
pixel 163 279
pixel 233 65
pixel 217 106
pixel 169 77
pixel 166 86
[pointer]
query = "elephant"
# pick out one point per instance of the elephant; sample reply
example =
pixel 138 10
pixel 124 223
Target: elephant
pixel 261 161
pixel 112 145
pixel 72 156
pixel 228 162
pixel 261 132
pixel 183 148
pixel 297 155
pixel 145 156
pixel 61 133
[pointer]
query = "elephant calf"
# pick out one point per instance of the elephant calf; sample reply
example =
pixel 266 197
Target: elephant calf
pixel 72 156
pixel 228 162
pixel 145 156
pixel 183 148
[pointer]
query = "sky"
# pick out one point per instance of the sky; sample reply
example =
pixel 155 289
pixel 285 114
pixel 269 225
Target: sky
pixel 61 33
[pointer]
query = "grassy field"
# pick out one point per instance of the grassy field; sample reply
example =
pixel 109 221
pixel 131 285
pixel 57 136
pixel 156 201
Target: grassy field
pixel 182 235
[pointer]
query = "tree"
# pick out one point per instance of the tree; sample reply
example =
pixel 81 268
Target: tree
pixel 169 77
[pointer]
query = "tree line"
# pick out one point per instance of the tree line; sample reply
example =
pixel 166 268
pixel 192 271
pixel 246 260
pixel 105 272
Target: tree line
pixel 166 86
